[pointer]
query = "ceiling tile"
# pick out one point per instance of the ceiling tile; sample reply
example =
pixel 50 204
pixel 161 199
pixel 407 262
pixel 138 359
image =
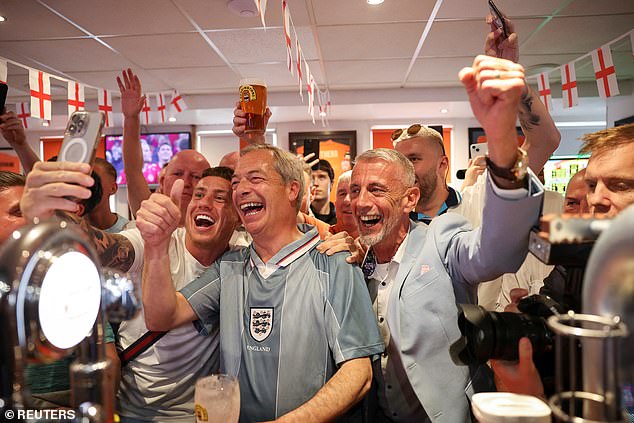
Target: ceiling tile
pixel 214 15
pixel 108 80
pixel 106 17
pixel 456 9
pixel 199 79
pixel 257 45
pixel 42 22
pixel 578 35
pixel 277 76
pixel 471 34
pixel 438 70
pixel 594 7
pixel 166 51
pixel 355 73
pixel 69 54
pixel 337 12
pixel 369 42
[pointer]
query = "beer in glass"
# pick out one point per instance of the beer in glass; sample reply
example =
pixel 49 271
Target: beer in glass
pixel 253 103
pixel 217 399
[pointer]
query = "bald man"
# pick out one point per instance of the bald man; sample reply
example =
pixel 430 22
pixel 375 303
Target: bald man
pixel 576 200
pixel 230 160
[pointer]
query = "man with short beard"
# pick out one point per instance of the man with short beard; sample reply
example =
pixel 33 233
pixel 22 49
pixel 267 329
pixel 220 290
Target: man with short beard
pixel 417 273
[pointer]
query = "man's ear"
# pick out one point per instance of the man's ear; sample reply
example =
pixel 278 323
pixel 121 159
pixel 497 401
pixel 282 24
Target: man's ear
pixel 443 167
pixel 293 191
pixel 410 199
pixel 80 209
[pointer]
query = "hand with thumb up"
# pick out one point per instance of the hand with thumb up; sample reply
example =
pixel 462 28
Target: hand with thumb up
pixel 159 216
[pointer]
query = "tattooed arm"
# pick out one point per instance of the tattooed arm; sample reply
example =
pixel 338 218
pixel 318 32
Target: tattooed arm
pixel 542 136
pixel 115 251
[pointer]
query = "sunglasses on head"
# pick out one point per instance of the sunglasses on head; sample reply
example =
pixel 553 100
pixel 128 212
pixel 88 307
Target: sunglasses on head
pixel 412 130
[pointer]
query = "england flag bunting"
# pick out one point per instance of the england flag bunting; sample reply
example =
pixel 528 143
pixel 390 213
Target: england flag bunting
pixel 569 95
pixel 309 89
pixel 543 88
pixel 287 37
pixel 3 71
pixel 160 107
pixel 177 102
pixel 261 4
pixel 40 86
pixel 604 72
pixel 299 68
pixel 146 112
pixel 22 110
pixel 104 101
pixel 75 97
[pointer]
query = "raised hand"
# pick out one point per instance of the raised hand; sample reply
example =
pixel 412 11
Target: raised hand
pixel 131 94
pixel 519 377
pixel 159 216
pixel 12 129
pixel 49 186
pixel 498 46
pixel 240 122
pixel 494 87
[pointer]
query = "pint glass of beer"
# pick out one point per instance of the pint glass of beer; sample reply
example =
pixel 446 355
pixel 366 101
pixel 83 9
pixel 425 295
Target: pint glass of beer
pixel 253 103
pixel 217 399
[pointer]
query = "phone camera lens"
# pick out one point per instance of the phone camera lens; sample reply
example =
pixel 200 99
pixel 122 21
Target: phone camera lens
pixel 80 124
pixel 76 118
pixel 72 128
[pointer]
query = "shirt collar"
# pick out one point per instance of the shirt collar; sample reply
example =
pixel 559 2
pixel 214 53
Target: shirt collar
pixel 369 262
pixel 453 199
pixel 290 252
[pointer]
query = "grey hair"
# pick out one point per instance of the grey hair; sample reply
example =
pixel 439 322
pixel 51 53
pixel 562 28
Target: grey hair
pixel 344 177
pixel 392 156
pixel 289 167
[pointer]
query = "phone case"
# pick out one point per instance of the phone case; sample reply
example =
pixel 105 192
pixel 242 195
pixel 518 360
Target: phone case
pixel 81 137
pixel 479 149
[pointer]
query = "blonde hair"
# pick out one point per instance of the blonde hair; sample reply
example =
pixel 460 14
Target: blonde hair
pixel 607 139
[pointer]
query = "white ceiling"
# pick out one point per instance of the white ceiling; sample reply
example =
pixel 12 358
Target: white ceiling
pixel 201 47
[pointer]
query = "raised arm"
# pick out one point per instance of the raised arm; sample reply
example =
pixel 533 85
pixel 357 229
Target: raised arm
pixel 157 219
pixel 131 104
pixel 346 388
pixel 46 193
pixel 13 132
pixel 542 136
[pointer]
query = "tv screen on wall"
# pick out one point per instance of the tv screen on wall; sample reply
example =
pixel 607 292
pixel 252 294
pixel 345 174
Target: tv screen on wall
pixel 559 169
pixel 157 151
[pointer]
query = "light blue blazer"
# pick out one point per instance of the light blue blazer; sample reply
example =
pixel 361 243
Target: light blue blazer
pixel 441 267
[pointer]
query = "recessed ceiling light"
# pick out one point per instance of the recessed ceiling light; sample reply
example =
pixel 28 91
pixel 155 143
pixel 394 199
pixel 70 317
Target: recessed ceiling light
pixel 322 114
pixel 375 2
pixel 172 119
pixel 444 111
pixel 3 19
pixel 45 123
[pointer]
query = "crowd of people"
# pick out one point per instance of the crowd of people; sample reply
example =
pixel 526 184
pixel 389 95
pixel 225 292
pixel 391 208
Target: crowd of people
pixel 321 310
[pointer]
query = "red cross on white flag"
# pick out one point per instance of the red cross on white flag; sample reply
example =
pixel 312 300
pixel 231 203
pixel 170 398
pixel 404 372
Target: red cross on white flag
pixel 3 71
pixel 161 106
pixel 177 102
pixel 287 36
pixel 569 95
pixel 75 97
pixel 299 69
pixel 40 85
pixel 22 110
pixel 604 72
pixel 146 112
pixel 543 87
pixel 309 89
pixel 261 4
pixel 104 101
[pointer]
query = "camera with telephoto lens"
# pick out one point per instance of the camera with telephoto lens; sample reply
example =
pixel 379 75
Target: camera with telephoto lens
pixel 494 335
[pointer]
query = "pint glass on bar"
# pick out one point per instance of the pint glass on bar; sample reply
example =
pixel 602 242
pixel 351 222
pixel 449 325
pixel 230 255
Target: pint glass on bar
pixel 217 399
pixel 253 103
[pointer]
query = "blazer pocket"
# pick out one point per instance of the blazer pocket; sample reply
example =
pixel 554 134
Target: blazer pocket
pixel 412 287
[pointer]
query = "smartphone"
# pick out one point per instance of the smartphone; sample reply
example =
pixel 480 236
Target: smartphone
pixel 479 149
pixel 81 137
pixel 4 88
pixel 498 19
pixel 312 146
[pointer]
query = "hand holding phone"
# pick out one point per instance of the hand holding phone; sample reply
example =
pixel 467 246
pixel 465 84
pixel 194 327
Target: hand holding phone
pixel 4 88
pixel 499 19
pixel 481 149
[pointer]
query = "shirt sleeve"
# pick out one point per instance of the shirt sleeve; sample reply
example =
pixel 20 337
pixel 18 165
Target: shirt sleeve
pixel 351 326
pixel 203 294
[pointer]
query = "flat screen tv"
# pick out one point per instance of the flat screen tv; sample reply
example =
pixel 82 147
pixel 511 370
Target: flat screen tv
pixel 559 169
pixel 157 150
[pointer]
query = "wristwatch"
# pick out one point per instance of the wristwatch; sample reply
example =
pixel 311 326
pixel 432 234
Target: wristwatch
pixel 515 173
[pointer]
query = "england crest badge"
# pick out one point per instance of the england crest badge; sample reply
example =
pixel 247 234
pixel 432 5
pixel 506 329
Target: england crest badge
pixel 261 323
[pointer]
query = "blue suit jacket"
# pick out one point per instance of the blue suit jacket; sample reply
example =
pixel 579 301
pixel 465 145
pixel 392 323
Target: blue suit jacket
pixel 441 267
